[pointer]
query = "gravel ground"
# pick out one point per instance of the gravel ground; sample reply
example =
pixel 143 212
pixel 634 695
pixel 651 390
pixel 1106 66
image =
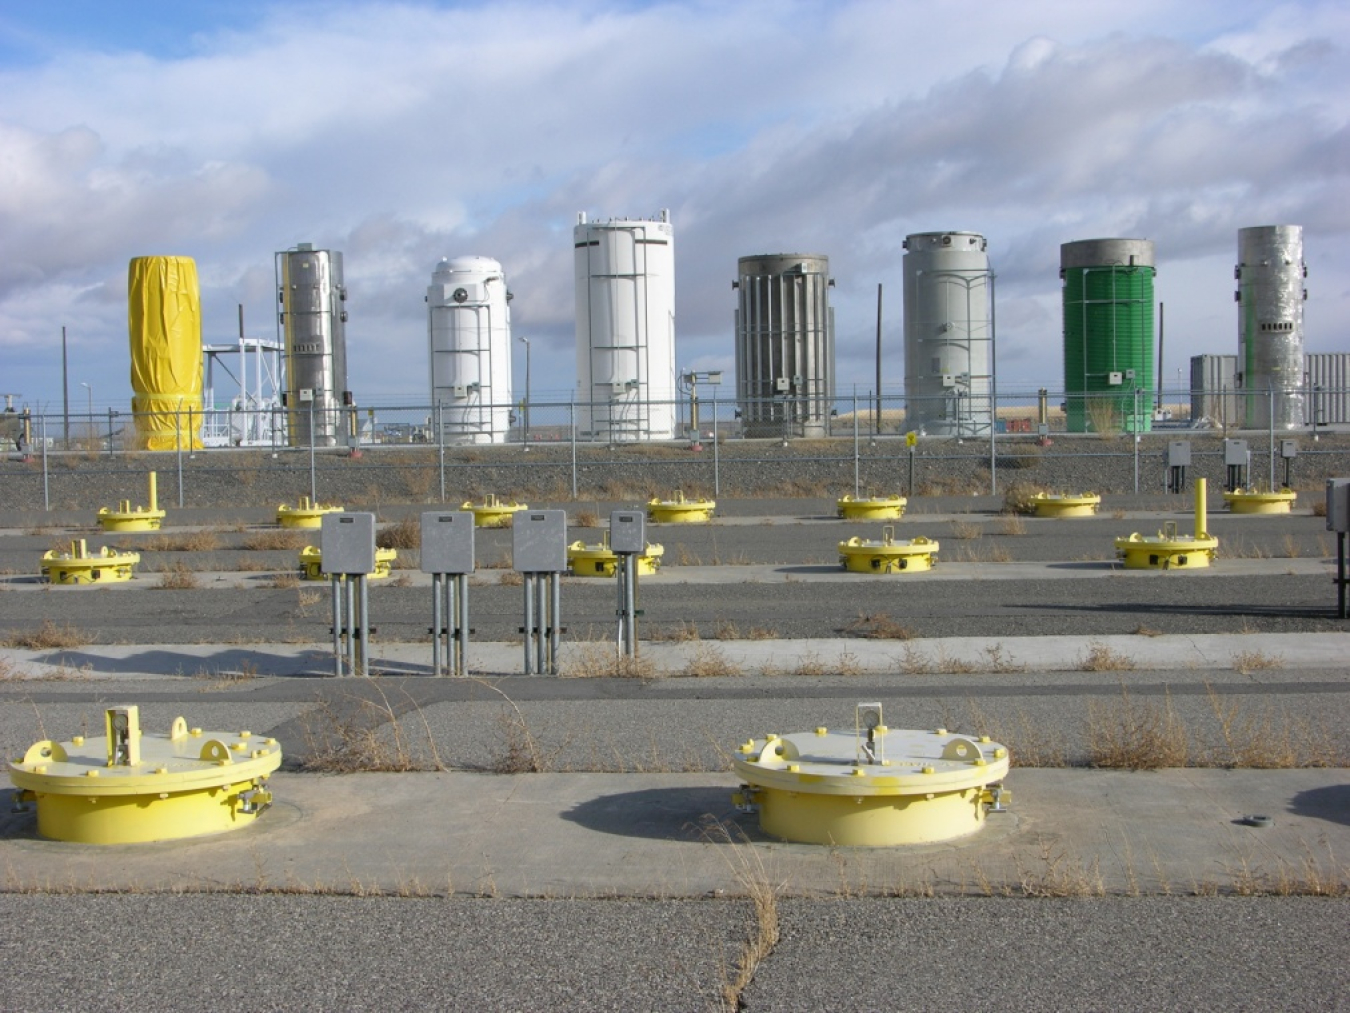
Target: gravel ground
pixel 1189 954
pixel 114 953
pixel 740 469
pixel 787 608
pixel 322 953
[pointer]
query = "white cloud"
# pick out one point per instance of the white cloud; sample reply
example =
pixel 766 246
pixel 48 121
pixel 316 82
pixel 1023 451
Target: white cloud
pixel 402 133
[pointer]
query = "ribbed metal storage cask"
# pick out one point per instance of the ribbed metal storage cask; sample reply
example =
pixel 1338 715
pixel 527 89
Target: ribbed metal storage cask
pixel 1270 295
pixel 1108 334
pixel 784 344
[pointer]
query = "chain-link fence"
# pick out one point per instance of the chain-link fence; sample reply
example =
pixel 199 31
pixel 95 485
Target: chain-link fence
pixel 564 450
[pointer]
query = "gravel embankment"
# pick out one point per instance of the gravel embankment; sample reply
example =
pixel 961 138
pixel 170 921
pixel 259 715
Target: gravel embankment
pixel 550 471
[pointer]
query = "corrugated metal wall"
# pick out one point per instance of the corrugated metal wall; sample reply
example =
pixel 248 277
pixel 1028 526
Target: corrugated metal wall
pixel 1329 377
pixel 1213 380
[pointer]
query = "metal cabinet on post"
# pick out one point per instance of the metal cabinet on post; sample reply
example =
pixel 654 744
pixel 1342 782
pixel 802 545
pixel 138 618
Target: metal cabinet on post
pixel 347 544
pixel 447 554
pixel 628 541
pixel 539 554
pixel 1338 520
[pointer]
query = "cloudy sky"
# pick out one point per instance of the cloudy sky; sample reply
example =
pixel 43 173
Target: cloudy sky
pixel 400 133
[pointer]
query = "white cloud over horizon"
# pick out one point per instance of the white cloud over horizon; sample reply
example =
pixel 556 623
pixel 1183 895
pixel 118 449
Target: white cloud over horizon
pixel 402 133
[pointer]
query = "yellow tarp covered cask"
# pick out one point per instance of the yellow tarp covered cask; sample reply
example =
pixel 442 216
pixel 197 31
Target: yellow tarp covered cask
pixel 165 322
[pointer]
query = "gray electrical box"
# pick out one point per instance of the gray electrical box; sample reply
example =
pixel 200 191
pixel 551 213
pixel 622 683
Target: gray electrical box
pixel 347 543
pixel 1338 504
pixel 539 541
pixel 1179 454
pixel 1235 453
pixel 447 541
pixel 1288 449
pixel 628 531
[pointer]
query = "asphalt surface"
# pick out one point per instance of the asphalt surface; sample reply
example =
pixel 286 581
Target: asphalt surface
pixel 326 953
pixel 995 632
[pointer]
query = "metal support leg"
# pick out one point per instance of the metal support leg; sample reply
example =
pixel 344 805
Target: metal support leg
pixel 437 623
pixel 351 624
pixel 363 634
pixel 626 571
pixel 540 624
pixel 621 633
pixel 1341 574
pixel 530 632
pixel 336 583
pixel 554 621
pixel 461 659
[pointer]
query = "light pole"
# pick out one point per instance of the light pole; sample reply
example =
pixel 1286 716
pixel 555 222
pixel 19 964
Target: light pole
pixel 90 389
pixel 525 407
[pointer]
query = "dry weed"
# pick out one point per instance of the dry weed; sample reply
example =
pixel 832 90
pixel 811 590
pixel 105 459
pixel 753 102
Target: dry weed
pixel 685 632
pixel 177 578
pixel 947 665
pixel 809 664
pixel 966 530
pixel 48 637
pixel 726 630
pixel 206 540
pixel 601 660
pixel 1020 498
pixel 363 735
pixel 1100 658
pixel 914 662
pixel 1127 735
pixel 1011 526
pixel 1059 876
pixel 710 662
pixel 878 626
pixel 1247 662
pixel 276 539
pixel 1000 662
pixel 747 865
pixel 404 534
pixel 283 581
pixel 1268 738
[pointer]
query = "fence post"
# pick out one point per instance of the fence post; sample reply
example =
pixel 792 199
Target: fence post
pixel 717 463
pixel 1137 437
pixel 313 481
pixel 178 447
pixel 855 442
pixel 572 436
pixel 440 445
pixel 46 491
pixel 993 443
pixel 1270 414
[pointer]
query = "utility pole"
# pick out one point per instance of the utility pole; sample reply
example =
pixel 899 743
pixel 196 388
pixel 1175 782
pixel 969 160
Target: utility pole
pixel 65 389
pixel 876 429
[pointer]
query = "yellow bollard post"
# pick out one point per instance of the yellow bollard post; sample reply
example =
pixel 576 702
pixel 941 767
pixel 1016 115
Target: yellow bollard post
pixel 1201 515
pixel 154 492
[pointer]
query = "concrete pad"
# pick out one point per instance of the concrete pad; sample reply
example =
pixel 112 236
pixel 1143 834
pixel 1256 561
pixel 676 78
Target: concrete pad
pixel 1071 832
pixel 964 655
pixel 759 573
